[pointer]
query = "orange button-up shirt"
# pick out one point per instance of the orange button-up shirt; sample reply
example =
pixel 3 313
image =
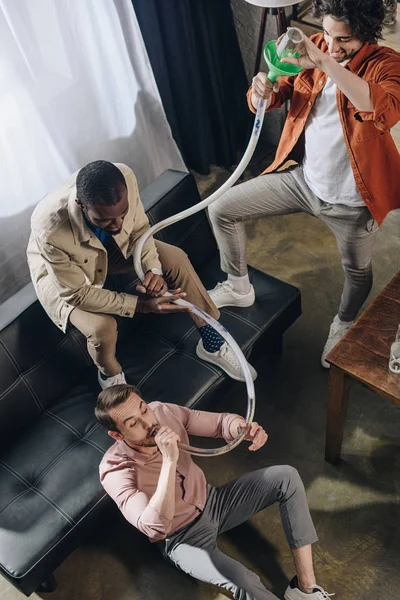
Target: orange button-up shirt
pixel 374 158
pixel 131 477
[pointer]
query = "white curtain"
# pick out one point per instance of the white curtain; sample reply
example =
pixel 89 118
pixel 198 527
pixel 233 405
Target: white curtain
pixel 75 86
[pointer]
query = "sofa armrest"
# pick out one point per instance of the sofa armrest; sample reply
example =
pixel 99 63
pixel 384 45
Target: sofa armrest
pixel 172 192
pixel 165 184
pixel 16 304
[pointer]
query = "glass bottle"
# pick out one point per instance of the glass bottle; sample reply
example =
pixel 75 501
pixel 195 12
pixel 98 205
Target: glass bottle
pixel 390 7
pixel 394 360
pixel 290 43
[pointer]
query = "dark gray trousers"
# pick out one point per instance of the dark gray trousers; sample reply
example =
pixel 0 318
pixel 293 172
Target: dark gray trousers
pixel 194 548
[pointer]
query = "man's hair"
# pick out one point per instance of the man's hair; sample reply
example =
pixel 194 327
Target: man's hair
pixel 365 17
pixel 99 182
pixel 108 399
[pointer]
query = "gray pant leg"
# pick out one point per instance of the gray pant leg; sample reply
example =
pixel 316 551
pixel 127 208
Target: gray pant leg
pixel 355 232
pixel 268 195
pixel 240 499
pixel 211 565
pixel 195 550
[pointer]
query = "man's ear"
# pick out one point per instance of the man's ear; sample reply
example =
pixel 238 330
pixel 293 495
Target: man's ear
pixel 79 203
pixel 116 435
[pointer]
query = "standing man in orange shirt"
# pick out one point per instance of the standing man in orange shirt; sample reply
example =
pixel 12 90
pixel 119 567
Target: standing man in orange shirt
pixel 342 107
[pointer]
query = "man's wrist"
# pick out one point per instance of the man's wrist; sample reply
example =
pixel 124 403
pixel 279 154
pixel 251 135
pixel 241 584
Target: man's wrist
pixel 324 62
pixel 141 303
pixel 236 426
pixel 170 462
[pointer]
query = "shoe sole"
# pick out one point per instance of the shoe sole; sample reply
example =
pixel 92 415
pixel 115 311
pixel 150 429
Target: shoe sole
pixel 206 358
pixel 237 303
pixel 101 383
pixel 242 305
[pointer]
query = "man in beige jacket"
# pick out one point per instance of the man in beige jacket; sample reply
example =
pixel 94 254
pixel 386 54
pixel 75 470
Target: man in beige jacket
pixel 86 230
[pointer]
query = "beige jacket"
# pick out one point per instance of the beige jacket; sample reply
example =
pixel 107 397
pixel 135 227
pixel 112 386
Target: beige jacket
pixel 68 263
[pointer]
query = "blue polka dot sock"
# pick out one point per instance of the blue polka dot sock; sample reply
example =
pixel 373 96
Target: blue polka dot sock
pixel 212 340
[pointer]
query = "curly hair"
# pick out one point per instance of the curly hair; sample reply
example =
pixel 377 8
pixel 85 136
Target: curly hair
pixel 365 17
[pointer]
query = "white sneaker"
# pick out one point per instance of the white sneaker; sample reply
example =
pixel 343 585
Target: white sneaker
pixel 336 332
pixel 224 295
pixel 110 381
pixel 294 593
pixel 226 359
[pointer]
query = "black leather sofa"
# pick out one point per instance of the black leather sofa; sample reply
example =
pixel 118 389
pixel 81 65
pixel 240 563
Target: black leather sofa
pixel 50 443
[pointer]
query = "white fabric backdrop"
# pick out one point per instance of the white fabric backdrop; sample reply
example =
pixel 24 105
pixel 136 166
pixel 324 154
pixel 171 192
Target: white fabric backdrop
pixel 75 86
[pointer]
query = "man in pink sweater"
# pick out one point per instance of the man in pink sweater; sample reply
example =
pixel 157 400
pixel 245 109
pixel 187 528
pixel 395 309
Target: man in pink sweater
pixel 163 493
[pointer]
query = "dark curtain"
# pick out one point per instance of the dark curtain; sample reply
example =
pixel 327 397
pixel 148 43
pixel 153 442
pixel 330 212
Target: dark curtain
pixel 196 59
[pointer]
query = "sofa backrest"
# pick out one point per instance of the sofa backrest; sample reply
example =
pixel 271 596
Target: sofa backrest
pixel 38 363
pixel 172 192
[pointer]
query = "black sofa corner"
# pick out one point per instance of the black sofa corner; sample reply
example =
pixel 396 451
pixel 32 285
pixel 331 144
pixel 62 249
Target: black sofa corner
pixel 50 443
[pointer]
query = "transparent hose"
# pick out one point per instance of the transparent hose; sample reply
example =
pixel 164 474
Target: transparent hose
pixel 195 309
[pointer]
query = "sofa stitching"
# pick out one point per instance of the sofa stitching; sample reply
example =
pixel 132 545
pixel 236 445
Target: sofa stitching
pixel 202 362
pixel 95 446
pixel 68 426
pixel 65 451
pixel 54 461
pixel 64 340
pixel 15 384
pixel 57 543
pixel 242 319
pixel 159 338
pixel 155 366
pixel 38 492
pixel 25 491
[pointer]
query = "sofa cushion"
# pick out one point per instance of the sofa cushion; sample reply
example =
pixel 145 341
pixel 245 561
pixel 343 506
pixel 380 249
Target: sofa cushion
pixel 49 480
pixel 38 364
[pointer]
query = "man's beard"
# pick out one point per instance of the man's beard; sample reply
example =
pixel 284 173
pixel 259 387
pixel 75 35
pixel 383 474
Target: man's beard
pixel 149 440
pixel 146 443
pixel 346 56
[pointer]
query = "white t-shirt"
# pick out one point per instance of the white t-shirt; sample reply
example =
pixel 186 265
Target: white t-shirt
pixel 326 166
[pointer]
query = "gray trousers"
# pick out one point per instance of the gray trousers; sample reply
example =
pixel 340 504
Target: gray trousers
pixel 194 548
pixel 286 193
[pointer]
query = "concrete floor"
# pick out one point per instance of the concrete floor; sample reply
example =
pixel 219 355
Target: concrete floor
pixel 355 506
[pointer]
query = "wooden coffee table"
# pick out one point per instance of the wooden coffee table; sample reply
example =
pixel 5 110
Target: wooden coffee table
pixel 363 354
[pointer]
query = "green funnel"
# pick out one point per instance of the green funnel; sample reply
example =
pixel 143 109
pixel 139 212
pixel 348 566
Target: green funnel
pixel 276 67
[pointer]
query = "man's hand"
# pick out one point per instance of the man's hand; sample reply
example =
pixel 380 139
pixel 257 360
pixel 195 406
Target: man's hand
pixel 256 433
pixel 162 305
pixel 153 285
pixel 262 88
pixel 310 57
pixel 167 441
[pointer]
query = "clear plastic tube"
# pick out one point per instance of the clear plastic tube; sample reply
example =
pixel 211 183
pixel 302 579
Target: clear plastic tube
pixel 290 43
pixel 198 311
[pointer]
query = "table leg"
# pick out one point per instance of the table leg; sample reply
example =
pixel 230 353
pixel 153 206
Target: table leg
pixel 339 387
